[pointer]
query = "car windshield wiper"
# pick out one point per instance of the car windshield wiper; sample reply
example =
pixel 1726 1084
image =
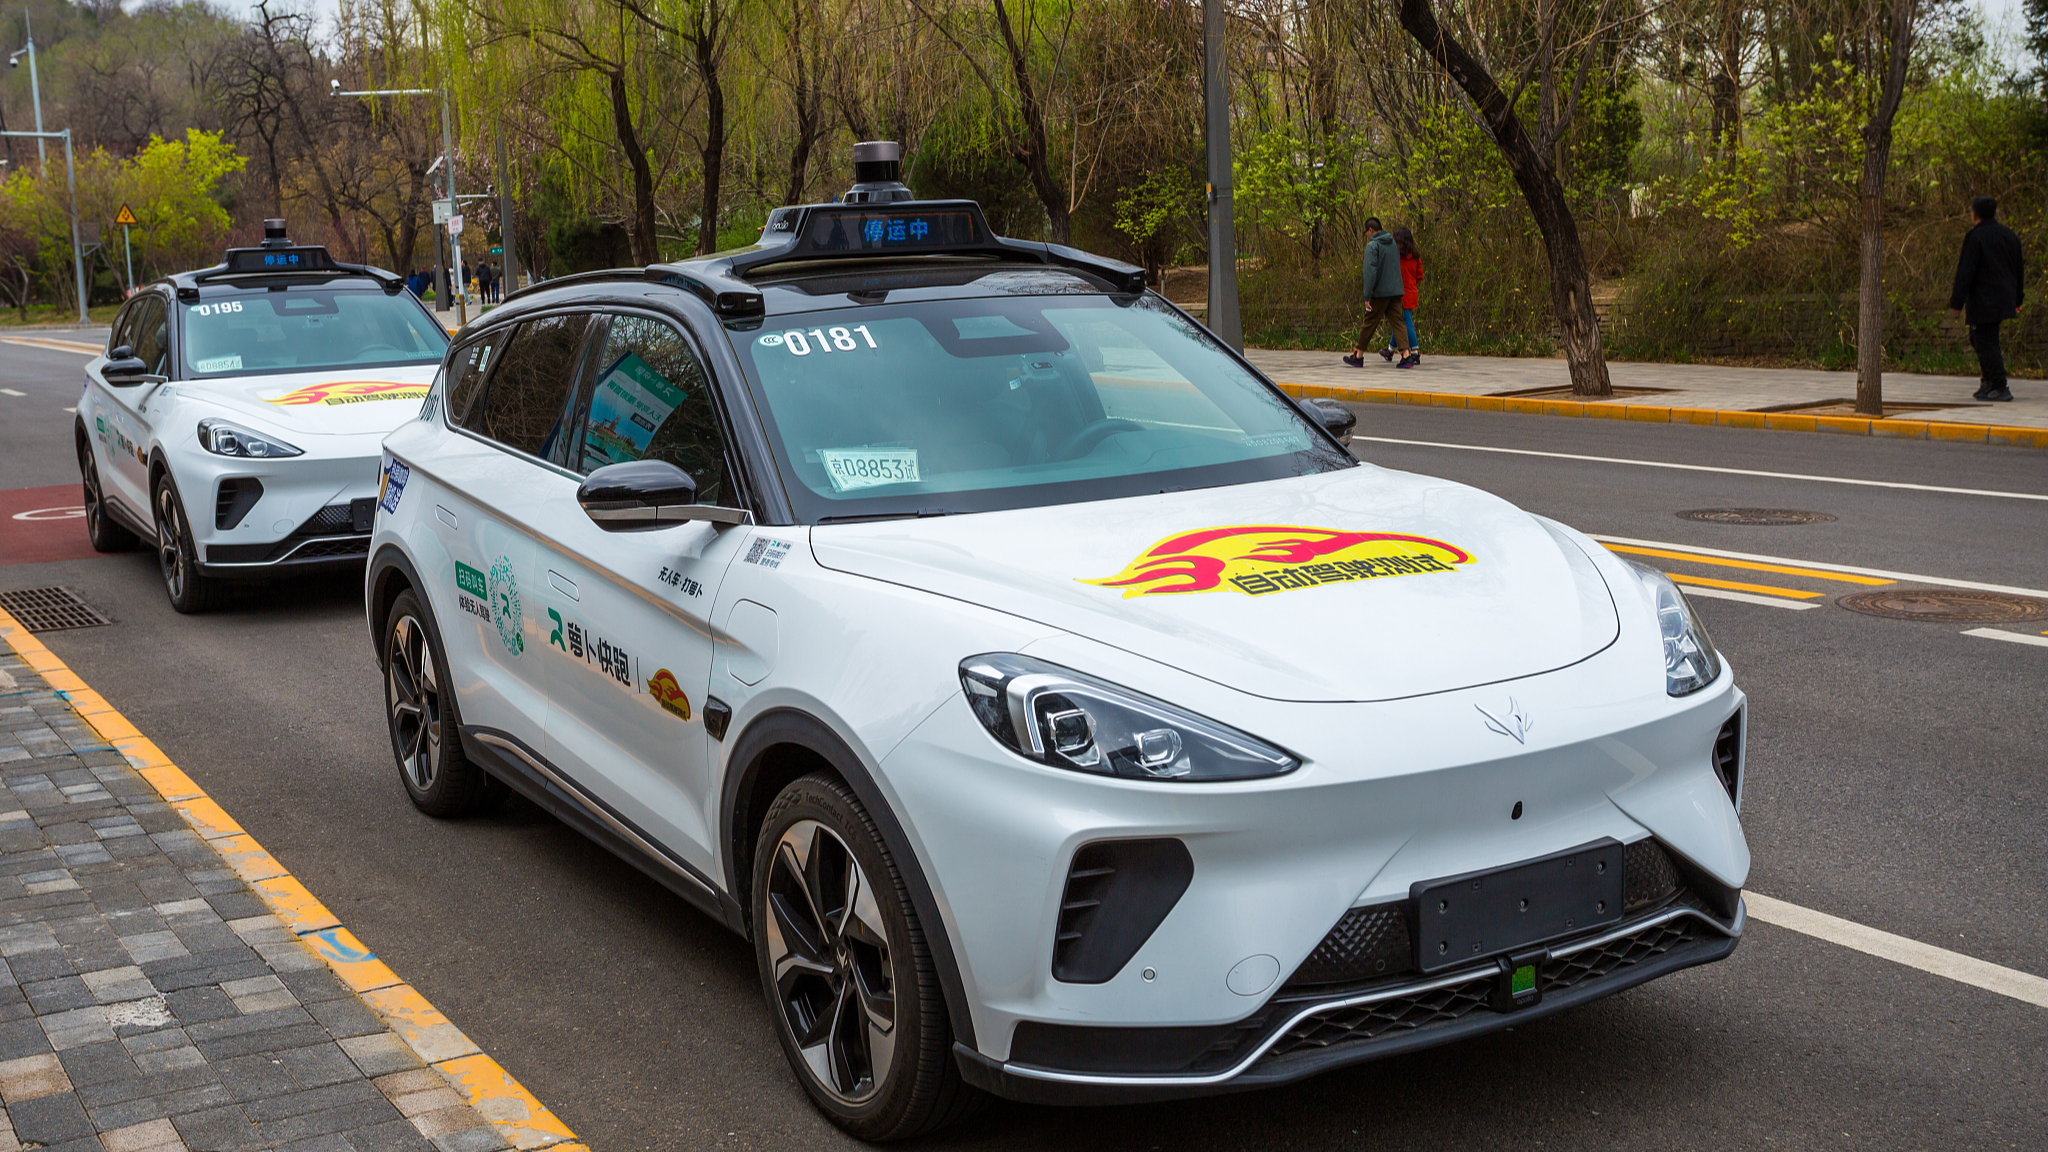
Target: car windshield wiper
pixel 863 518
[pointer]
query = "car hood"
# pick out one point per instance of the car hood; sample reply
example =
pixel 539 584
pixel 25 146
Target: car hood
pixel 341 402
pixel 1365 584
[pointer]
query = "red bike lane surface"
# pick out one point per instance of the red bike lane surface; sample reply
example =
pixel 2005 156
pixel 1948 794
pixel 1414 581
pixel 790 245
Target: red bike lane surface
pixel 38 525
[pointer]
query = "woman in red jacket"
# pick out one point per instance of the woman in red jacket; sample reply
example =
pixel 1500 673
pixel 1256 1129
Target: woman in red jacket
pixel 1411 276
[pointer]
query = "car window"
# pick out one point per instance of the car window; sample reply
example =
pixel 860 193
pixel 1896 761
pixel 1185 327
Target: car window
pixel 527 396
pixel 307 328
pixel 152 335
pixel 124 326
pixel 649 400
pixel 1010 402
pixel 466 372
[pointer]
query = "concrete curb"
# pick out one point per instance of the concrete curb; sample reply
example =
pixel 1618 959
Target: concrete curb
pixel 520 1119
pixel 1654 414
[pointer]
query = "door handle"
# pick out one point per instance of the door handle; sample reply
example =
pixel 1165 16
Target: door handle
pixel 563 584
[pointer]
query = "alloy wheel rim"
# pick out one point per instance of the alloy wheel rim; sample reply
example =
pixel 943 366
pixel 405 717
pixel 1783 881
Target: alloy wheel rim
pixel 170 554
pixel 415 697
pixel 92 496
pixel 829 954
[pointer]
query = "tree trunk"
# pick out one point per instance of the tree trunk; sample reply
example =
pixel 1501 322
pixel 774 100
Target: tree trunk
pixel 1032 150
pixel 641 230
pixel 1877 159
pixel 713 152
pixel 1570 281
pixel 806 94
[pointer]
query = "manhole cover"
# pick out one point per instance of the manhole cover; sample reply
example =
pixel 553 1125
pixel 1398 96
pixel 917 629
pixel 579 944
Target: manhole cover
pixel 1947 607
pixel 1755 516
pixel 50 609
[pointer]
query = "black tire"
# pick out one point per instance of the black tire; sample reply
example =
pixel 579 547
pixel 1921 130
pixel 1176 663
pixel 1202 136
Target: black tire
pixel 189 589
pixel 829 961
pixel 420 711
pixel 100 529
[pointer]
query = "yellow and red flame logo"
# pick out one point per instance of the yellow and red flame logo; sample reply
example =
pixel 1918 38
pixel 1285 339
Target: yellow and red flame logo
pixel 353 392
pixel 1258 559
pixel 669 694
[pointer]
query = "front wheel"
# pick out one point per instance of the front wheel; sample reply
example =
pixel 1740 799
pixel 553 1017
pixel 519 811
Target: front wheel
pixel 848 975
pixel 426 730
pixel 189 589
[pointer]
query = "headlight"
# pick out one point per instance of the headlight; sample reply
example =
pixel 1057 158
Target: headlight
pixel 224 439
pixel 1063 718
pixel 1690 662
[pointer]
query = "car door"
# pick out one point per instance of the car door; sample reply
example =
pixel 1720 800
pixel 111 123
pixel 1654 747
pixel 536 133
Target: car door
pixel 125 408
pixel 627 624
pixel 508 398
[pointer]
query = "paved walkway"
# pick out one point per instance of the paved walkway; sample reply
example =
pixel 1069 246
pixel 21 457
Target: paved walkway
pixel 1687 385
pixel 150 1000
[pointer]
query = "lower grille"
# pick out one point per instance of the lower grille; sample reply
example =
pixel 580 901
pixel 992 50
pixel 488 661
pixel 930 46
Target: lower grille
pixel 355 546
pixel 1367 942
pixel 1443 1005
pixel 1648 875
pixel 333 520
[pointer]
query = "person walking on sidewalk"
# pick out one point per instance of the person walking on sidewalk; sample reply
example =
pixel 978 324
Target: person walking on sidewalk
pixel 1382 292
pixel 1990 287
pixel 1411 278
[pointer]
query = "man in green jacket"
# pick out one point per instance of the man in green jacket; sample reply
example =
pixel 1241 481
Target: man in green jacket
pixel 1382 292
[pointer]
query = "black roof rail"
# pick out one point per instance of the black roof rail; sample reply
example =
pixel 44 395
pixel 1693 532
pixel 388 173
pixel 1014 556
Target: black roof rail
pixel 593 277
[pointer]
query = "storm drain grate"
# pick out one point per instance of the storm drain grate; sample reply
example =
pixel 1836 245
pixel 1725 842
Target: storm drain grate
pixel 1947 607
pixel 1755 516
pixel 50 609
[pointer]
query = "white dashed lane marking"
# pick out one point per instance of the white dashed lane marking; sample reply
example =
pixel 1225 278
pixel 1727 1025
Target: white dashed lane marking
pixel 1747 598
pixel 1706 468
pixel 2012 637
pixel 11 392
pixel 1955 966
pixel 1908 577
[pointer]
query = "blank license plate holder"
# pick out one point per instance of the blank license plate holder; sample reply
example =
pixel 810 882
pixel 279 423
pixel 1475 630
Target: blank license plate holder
pixel 1462 919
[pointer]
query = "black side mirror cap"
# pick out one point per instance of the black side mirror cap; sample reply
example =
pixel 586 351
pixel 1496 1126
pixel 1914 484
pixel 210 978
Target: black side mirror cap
pixel 642 494
pixel 123 366
pixel 1334 417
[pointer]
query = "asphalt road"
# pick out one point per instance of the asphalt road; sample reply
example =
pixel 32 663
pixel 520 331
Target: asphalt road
pixel 1895 779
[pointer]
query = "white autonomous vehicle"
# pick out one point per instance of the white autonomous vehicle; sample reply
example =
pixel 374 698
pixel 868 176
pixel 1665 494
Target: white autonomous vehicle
pixel 236 418
pixel 1057 706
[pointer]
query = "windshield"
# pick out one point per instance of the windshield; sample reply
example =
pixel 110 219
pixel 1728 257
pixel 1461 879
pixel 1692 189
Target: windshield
pixel 303 329
pixel 1012 402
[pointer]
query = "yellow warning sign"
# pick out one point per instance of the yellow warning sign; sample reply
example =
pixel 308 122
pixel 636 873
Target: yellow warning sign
pixel 127 216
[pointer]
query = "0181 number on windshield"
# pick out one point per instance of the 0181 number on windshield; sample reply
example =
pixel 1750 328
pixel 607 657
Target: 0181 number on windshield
pixel 827 340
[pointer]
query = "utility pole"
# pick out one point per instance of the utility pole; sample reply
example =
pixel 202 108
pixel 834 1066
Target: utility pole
pixel 35 84
pixel 455 207
pixel 1222 317
pixel 508 268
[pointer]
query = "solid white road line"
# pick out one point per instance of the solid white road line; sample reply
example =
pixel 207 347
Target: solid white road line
pixel 1943 581
pixel 1747 598
pixel 2014 637
pixel 1899 949
pixel 1708 468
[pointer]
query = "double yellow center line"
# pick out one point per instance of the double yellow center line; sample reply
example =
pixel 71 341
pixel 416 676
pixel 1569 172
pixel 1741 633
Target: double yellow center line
pixel 1748 565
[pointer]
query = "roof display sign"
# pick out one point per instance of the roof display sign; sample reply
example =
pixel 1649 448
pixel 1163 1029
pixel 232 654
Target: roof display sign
pixel 879 230
pixel 280 260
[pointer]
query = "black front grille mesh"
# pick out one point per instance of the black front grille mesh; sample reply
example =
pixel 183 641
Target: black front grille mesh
pixel 1591 963
pixel 333 520
pixel 1367 942
pixel 1648 876
pixel 1728 756
pixel 358 546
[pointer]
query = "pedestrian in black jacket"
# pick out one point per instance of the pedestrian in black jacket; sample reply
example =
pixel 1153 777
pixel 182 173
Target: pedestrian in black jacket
pixel 1990 287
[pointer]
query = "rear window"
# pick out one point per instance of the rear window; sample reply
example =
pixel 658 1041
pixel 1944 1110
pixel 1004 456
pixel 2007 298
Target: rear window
pixel 305 329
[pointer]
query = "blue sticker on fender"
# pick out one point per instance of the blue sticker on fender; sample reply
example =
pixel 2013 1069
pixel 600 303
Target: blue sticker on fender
pixel 393 485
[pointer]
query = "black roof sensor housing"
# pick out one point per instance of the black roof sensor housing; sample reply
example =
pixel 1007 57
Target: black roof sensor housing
pixel 877 174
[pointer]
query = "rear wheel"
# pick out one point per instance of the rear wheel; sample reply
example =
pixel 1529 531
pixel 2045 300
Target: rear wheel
pixel 425 727
pixel 189 589
pixel 106 536
pixel 848 975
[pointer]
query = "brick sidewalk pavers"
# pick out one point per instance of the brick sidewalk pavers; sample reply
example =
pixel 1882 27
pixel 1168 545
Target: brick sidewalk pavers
pixel 1690 385
pixel 149 1000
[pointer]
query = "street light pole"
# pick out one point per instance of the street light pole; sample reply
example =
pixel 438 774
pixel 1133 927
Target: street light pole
pixel 70 179
pixel 35 84
pixel 1222 317
pixel 448 158
pixel 454 209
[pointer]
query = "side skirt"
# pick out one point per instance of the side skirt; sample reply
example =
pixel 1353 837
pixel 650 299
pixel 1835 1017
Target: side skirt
pixel 528 773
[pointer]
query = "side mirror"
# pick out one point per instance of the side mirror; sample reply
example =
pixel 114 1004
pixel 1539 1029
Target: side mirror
pixel 1334 417
pixel 123 367
pixel 642 494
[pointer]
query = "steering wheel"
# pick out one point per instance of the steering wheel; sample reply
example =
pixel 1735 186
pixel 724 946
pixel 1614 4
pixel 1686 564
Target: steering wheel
pixel 1083 442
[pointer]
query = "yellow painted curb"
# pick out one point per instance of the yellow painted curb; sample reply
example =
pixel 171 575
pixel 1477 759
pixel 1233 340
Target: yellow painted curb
pixel 520 1120
pixel 1653 414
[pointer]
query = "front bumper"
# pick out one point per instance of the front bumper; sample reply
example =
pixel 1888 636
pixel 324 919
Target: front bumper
pixel 1305 1033
pixel 308 513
